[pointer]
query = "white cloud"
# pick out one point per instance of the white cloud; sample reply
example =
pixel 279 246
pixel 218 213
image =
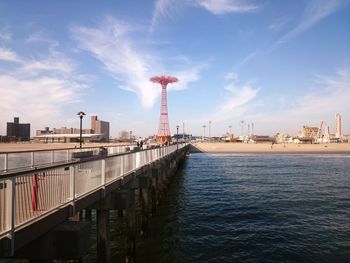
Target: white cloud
pixel 163 8
pixel 325 96
pixel 9 55
pixel 238 96
pixel 238 100
pixel 5 35
pixel 328 95
pixel 278 24
pixel 185 77
pixel 37 100
pixel 249 57
pixel 110 46
pixel 220 7
pixel 167 8
pixel 54 64
pixel 38 90
pixel 232 76
pixel 314 12
pixel 124 60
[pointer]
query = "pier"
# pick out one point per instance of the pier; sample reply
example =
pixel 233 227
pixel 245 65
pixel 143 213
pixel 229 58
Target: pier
pixel 41 208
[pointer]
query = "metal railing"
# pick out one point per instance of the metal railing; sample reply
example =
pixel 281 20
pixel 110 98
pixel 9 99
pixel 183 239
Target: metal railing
pixel 30 159
pixel 28 195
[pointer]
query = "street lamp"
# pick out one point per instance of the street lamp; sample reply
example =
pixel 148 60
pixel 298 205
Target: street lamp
pixel 183 132
pixel 177 136
pixel 204 132
pixel 209 130
pixel 242 123
pixel 81 115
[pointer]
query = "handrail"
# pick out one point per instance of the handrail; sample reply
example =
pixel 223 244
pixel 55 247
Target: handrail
pixel 63 149
pixel 30 195
pixel 65 164
pixel 30 159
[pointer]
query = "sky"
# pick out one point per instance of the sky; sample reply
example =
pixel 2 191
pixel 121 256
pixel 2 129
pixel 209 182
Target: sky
pixel 277 64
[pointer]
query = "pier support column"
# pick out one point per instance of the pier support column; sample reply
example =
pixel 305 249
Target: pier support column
pixel 156 192
pixel 164 176
pixel 103 236
pixel 153 197
pixel 130 225
pixel 144 196
pixel 88 214
pixel 76 217
pixel 120 212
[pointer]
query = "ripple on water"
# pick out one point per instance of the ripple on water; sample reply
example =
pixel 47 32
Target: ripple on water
pixel 254 208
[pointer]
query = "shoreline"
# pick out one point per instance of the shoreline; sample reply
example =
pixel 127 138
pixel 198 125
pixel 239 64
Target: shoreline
pixel 266 148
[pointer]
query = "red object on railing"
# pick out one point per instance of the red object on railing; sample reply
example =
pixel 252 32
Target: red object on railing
pixel 35 189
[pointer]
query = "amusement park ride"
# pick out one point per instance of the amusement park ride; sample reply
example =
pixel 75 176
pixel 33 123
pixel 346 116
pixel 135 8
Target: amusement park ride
pixel 323 134
pixel 163 135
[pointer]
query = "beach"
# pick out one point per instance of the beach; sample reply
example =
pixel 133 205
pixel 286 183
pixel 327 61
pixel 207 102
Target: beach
pixel 206 147
pixel 218 147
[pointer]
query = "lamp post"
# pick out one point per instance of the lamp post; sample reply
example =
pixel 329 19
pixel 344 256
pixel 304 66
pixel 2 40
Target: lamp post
pixel 204 132
pixel 209 130
pixel 183 132
pixel 242 123
pixel 81 115
pixel 177 136
pixel 130 137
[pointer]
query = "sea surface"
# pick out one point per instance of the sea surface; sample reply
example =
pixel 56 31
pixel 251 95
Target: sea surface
pixel 247 208
pixel 250 208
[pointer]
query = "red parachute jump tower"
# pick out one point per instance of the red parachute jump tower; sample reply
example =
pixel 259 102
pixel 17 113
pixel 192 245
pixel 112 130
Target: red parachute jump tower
pixel 163 135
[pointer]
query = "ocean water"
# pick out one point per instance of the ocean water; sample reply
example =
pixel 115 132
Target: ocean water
pixel 251 208
pixel 247 208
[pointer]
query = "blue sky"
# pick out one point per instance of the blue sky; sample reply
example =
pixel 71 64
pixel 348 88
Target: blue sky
pixel 277 64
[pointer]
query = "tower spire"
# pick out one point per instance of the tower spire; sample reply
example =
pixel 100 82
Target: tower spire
pixel 164 130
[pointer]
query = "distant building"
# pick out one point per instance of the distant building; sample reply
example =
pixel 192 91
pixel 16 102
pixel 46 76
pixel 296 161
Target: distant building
pixel 65 130
pixel 100 127
pixel 262 138
pixel 68 138
pixel 42 132
pixel 309 132
pixel 282 138
pixel 20 131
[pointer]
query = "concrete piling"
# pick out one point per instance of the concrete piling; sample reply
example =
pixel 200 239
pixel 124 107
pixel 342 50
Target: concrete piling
pixel 144 211
pixel 103 236
pixel 130 225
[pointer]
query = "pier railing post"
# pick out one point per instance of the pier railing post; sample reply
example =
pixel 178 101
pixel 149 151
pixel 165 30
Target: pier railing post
pixel 32 160
pixel 6 162
pixel 52 155
pixel 103 172
pixel 72 170
pixel 13 215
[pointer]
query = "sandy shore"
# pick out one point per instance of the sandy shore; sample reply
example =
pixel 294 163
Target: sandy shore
pixel 331 148
pixel 201 147
pixel 15 147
